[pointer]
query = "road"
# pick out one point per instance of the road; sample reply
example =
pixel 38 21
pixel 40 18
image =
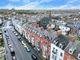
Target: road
pixel 20 51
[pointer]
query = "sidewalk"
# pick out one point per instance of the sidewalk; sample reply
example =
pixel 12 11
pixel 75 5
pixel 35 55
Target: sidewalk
pixel 2 51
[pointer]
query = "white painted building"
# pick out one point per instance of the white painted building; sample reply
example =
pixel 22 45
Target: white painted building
pixel 19 28
pixel 56 53
pixel 60 22
pixel 64 29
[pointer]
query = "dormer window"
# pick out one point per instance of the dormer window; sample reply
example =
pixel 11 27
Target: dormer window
pixel 79 56
pixel 40 35
pixel 61 45
pixel 70 51
pixel 30 30
pixel 55 42
pixel 54 51
pixel 35 32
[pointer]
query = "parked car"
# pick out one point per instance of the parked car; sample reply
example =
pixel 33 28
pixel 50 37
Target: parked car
pixel 38 49
pixel 11 49
pixel 28 49
pixel 10 45
pixel 19 37
pixel 14 58
pixel 34 57
pixel 23 43
pixel 5 31
pixel 13 55
pixel 16 34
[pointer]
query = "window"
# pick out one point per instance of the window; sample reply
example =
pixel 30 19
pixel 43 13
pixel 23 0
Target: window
pixel 54 51
pixel 60 59
pixel 40 35
pixel 32 30
pixel 37 33
pixel 79 56
pixel 53 56
pixel 61 54
pixel 53 48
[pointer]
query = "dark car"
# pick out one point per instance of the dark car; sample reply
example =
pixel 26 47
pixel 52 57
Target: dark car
pixel 13 55
pixel 5 31
pixel 34 57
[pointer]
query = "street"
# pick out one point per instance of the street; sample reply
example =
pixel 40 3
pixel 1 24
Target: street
pixel 20 51
pixel 30 46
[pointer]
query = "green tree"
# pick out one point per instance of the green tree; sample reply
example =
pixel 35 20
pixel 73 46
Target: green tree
pixel 44 21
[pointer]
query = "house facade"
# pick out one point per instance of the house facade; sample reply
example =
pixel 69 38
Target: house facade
pixel 56 53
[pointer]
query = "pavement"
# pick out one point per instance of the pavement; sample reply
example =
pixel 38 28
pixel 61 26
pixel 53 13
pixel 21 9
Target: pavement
pixel 2 51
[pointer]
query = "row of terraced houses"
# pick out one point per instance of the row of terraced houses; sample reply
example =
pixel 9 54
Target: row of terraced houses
pixel 53 45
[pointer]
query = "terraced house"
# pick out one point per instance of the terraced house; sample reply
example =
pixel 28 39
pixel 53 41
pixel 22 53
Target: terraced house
pixel 53 44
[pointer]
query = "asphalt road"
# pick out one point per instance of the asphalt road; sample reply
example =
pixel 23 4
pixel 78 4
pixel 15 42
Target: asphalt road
pixel 20 51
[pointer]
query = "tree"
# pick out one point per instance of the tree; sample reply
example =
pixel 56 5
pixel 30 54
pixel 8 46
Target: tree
pixel 44 21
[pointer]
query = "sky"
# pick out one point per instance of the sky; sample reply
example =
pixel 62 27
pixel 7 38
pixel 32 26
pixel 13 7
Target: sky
pixel 40 4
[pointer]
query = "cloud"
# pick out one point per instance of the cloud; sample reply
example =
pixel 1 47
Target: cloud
pixel 71 1
pixel 70 5
pixel 39 1
pixel 34 5
pixel 25 1
pixel 14 0
pixel 45 1
pixel 9 6
pixel 30 4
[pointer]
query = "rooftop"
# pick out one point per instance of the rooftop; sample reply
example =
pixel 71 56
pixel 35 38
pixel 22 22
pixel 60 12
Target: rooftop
pixel 50 35
pixel 73 48
pixel 61 41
